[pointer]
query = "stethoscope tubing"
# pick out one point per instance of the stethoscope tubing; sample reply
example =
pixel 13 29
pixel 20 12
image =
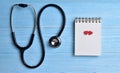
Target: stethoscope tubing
pixel 62 13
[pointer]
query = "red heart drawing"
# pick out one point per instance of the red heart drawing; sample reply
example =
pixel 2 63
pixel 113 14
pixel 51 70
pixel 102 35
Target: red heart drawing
pixel 88 32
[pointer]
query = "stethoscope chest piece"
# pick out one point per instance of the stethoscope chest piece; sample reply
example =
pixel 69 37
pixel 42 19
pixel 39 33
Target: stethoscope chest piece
pixel 54 42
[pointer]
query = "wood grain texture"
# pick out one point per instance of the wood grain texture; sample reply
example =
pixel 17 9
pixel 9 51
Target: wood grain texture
pixel 60 60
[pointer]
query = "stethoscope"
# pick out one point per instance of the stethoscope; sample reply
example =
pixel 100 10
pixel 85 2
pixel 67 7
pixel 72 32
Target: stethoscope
pixel 54 41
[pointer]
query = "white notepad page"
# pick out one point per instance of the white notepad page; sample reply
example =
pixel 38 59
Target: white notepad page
pixel 87 37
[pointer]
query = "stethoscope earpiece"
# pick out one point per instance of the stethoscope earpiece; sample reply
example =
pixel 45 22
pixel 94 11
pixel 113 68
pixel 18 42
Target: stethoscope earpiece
pixel 23 5
pixel 54 42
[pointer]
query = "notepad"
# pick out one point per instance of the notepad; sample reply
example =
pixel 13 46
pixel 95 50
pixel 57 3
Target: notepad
pixel 87 37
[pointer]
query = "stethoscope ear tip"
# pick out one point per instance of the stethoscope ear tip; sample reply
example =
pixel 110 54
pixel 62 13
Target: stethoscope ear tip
pixel 54 41
pixel 23 5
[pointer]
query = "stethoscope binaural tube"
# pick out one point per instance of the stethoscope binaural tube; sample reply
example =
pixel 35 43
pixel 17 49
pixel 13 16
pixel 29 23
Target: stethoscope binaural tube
pixel 22 49
pixel 12 31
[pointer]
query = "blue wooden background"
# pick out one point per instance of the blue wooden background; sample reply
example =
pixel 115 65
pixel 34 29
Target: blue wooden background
pixel 60 60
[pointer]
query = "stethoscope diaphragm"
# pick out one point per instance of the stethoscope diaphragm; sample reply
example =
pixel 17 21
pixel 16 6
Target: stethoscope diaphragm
pixel 54 41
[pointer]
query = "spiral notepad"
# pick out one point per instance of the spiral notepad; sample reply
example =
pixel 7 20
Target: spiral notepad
pixel 87 36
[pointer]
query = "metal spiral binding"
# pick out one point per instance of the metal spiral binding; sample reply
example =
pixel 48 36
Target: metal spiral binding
pixel 88 20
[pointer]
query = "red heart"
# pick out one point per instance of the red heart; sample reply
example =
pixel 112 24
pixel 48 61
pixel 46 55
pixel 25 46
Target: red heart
pixel 85 32
pixel 90 33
